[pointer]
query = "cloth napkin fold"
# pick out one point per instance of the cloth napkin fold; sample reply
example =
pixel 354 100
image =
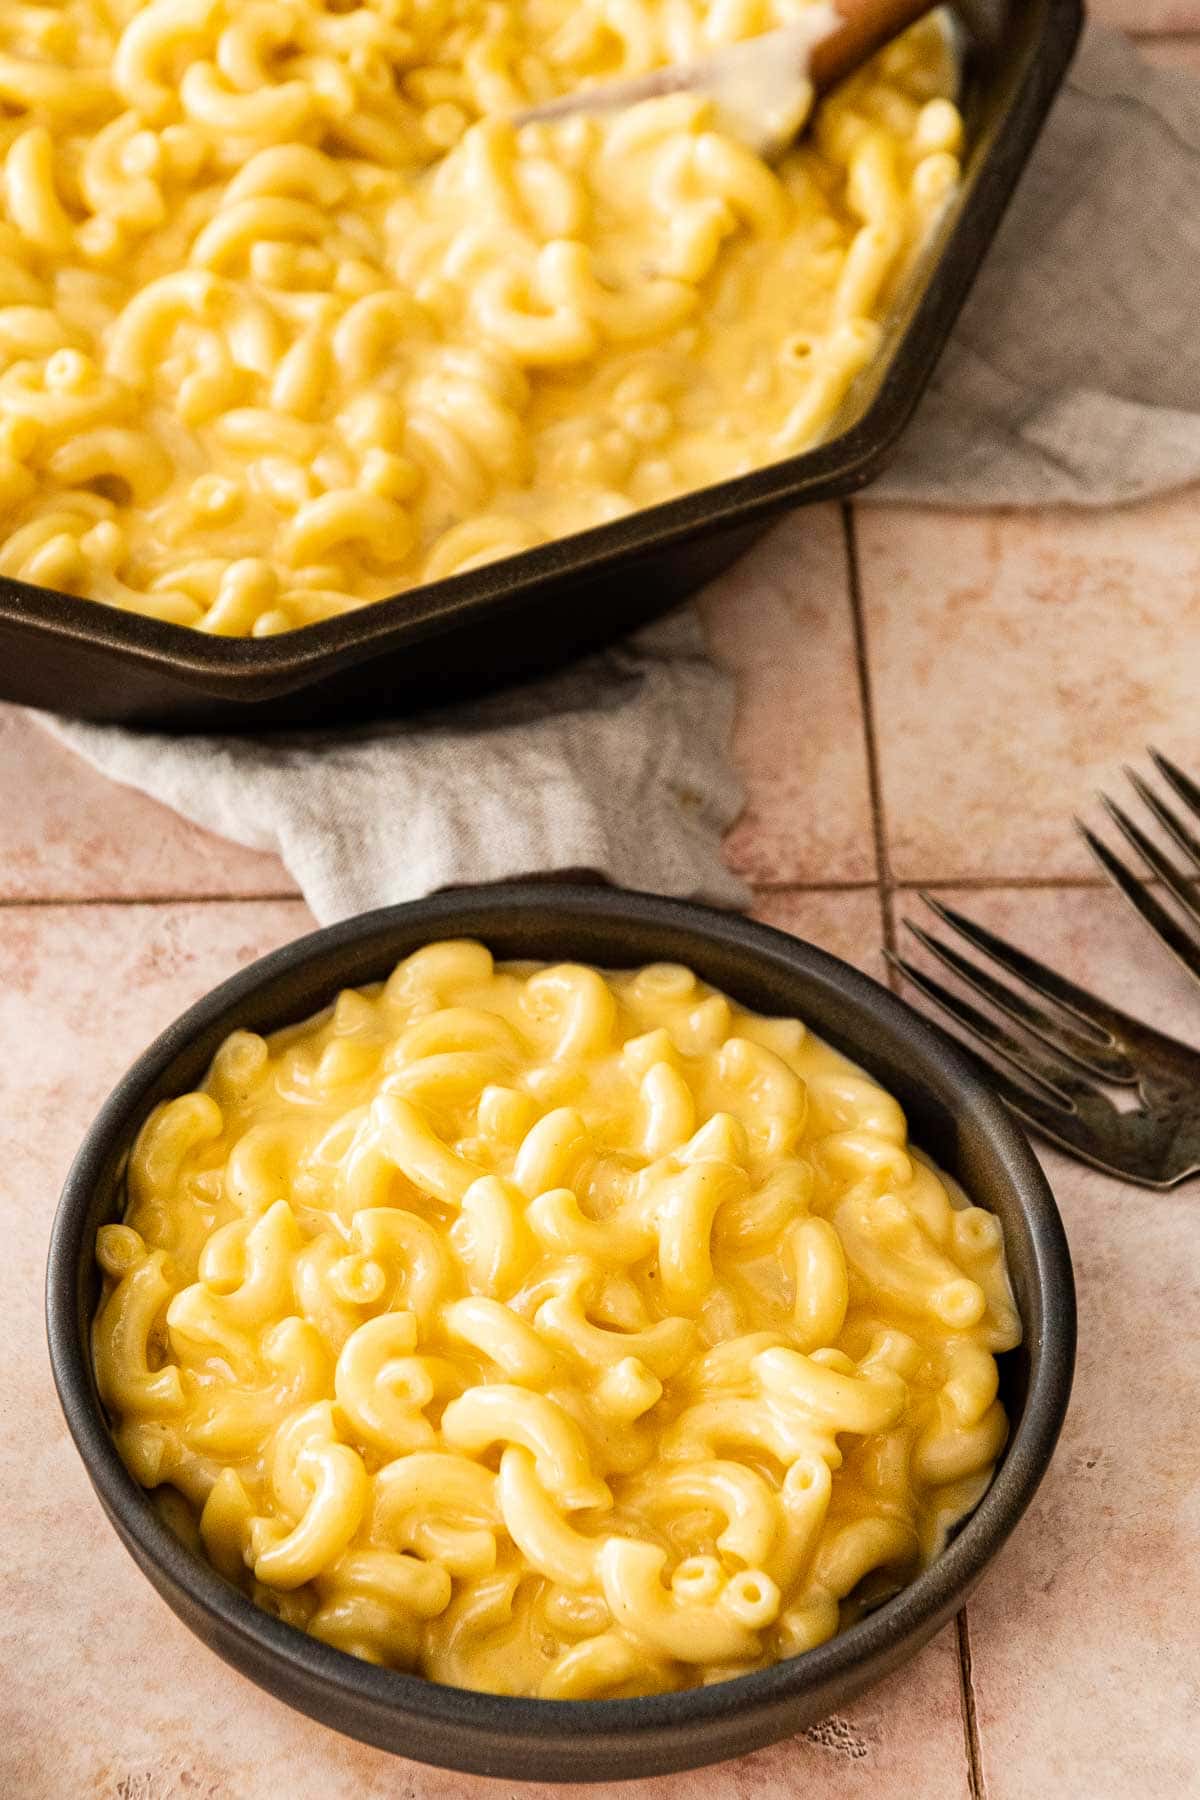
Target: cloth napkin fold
pixel 1073 377
pixel 618 764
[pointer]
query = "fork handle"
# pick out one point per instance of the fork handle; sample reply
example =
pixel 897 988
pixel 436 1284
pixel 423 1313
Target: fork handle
pixel 865 26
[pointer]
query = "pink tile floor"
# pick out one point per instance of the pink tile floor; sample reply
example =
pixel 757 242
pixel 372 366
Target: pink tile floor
pixel 934 722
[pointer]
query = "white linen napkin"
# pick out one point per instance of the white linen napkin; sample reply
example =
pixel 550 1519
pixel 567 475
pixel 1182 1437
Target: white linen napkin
pixel 617 765
pixel 1073 377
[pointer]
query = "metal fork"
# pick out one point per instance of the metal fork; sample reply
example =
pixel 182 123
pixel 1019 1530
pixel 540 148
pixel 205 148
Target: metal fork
pixel 1183 942
pixel 1070 1045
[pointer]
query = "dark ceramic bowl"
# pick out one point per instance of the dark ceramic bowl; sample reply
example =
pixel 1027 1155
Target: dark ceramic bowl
pixel 952 1116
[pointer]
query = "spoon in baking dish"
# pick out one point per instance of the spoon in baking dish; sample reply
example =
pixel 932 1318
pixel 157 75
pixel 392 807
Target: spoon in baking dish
pixel 763 87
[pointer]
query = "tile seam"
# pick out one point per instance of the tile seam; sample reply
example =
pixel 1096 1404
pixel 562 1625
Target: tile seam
pixel 801 885
pixel 970 1716
pixel 883 880
pixel 1077 883
pixel 866 885
pixel 29 903
pixel 914 884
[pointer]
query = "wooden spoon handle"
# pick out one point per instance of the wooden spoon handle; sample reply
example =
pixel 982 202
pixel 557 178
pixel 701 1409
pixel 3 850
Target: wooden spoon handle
pixel 866 26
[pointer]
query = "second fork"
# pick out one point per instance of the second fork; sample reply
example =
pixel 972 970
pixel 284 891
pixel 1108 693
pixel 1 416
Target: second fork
pixel 1182 940
pixel 1068 1047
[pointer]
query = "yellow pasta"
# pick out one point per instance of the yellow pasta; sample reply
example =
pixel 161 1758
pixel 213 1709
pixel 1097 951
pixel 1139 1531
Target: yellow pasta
pixel 552 1332
pixel 293 318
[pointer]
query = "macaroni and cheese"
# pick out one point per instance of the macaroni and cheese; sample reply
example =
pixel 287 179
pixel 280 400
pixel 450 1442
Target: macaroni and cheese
pixel 551 1332
pixel 292 317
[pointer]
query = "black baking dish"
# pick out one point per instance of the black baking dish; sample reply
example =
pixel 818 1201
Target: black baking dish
pixel 513 617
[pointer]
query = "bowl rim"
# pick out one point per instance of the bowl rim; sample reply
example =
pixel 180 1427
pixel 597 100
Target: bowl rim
pixel 935 1592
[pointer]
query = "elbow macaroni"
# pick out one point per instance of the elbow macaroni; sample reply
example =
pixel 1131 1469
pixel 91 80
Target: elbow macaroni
pixel 551 1332
pixel 292 318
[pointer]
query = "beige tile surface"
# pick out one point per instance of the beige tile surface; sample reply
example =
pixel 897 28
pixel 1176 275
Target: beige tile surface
pixel 68 834
pixel 1086 1654
pixel 1016 660
pixel 847 924
pixel 789 637
pixel 1145 17
pixel 105 1693
pixel 1175 52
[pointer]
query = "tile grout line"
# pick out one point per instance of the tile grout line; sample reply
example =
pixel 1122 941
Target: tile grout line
pixel 761 889
pixel 18 902
pixel 893 886
pixel 983 884
pixel 883 881
pixel 977 1785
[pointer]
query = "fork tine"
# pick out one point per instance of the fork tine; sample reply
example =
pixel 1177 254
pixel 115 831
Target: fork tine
pixel 1066 1130
pixel 1094 1015
pixel 1170 821
pixel 1187 789
pixel 1093 1057
pixel 1179 942
pixel 1153 857
pixel 1057 1081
